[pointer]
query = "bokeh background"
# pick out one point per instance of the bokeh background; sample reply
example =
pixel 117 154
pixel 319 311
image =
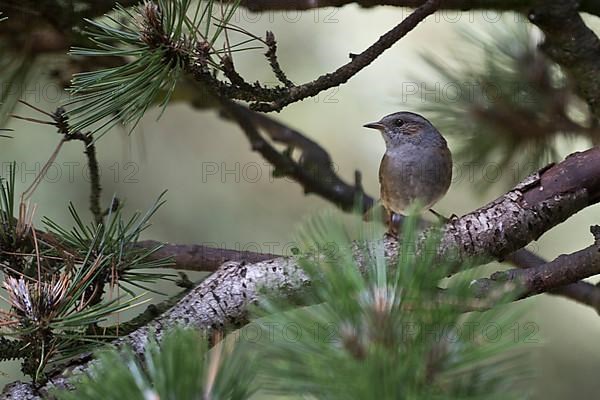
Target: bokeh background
pixel 221 193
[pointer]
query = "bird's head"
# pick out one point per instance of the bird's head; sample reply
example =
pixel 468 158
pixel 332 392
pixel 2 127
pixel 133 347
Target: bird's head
pixel 406 127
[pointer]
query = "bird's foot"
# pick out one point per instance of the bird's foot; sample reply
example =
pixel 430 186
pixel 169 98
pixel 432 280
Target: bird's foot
pixel 392 233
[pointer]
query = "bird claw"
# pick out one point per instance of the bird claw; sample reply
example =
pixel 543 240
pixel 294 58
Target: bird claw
pixel 390 235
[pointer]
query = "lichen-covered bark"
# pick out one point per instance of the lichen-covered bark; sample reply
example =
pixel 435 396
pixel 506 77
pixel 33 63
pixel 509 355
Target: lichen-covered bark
pixel 221 300
pixel 522 215
pixel 20 391
pixel 218 302
pixel 509 223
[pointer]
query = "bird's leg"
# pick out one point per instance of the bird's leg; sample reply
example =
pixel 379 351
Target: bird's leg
pixel 441 218
pixel 438 215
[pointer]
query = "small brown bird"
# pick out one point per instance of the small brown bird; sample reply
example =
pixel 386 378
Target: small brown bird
pixel 417 165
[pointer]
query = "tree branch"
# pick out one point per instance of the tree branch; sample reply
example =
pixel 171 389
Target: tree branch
pixel 580 292
pixel 493 231
pixel 358 62
pixel 534 206
pixel 276 98
pixel 563 270
pixel 62 123
pixel 589 6
pixel 193 257
pixel 96 8
pixel 314 170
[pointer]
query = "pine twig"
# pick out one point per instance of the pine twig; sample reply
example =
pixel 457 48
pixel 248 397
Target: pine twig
pixel 271 55
pixel 62 123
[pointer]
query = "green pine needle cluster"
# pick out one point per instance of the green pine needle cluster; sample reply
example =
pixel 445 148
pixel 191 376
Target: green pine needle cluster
pixel 7 207
pixel 158 41
pixel 387 332
pixel 55 281
pixel 115 240
pixel 181 367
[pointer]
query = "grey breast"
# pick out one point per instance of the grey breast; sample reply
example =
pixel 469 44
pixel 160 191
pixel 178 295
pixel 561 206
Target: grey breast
pixel 413 173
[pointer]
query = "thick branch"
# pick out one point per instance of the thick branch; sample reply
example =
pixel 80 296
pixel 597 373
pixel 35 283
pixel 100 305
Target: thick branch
pixel 530 209
pixel 96 8
pixel 494 231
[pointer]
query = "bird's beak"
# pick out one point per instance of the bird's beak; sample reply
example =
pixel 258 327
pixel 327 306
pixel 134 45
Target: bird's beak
pixel 375 125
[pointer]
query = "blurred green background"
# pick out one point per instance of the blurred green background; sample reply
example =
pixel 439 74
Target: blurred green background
pixel 221 193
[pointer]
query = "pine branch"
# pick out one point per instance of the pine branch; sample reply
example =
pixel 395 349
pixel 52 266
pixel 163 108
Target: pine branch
pixel 193 257
pixel 62 123
pixel 563 270
pixel 357 63
pixel 271 55
pixel 97 8
pixel 314 170
pixel 534 108
pixel 163 51
pixel 581 292
pixel 494 231
pixel 589 6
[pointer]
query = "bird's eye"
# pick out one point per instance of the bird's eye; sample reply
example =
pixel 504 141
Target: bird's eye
pixel 399 122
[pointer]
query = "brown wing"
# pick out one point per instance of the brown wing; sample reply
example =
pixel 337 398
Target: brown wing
pixel 384 191
pixel 382 167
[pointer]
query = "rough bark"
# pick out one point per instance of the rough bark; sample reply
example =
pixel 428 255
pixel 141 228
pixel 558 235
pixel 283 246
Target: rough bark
pixel 535 205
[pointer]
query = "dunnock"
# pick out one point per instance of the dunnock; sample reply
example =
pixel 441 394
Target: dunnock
pixel 417 165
